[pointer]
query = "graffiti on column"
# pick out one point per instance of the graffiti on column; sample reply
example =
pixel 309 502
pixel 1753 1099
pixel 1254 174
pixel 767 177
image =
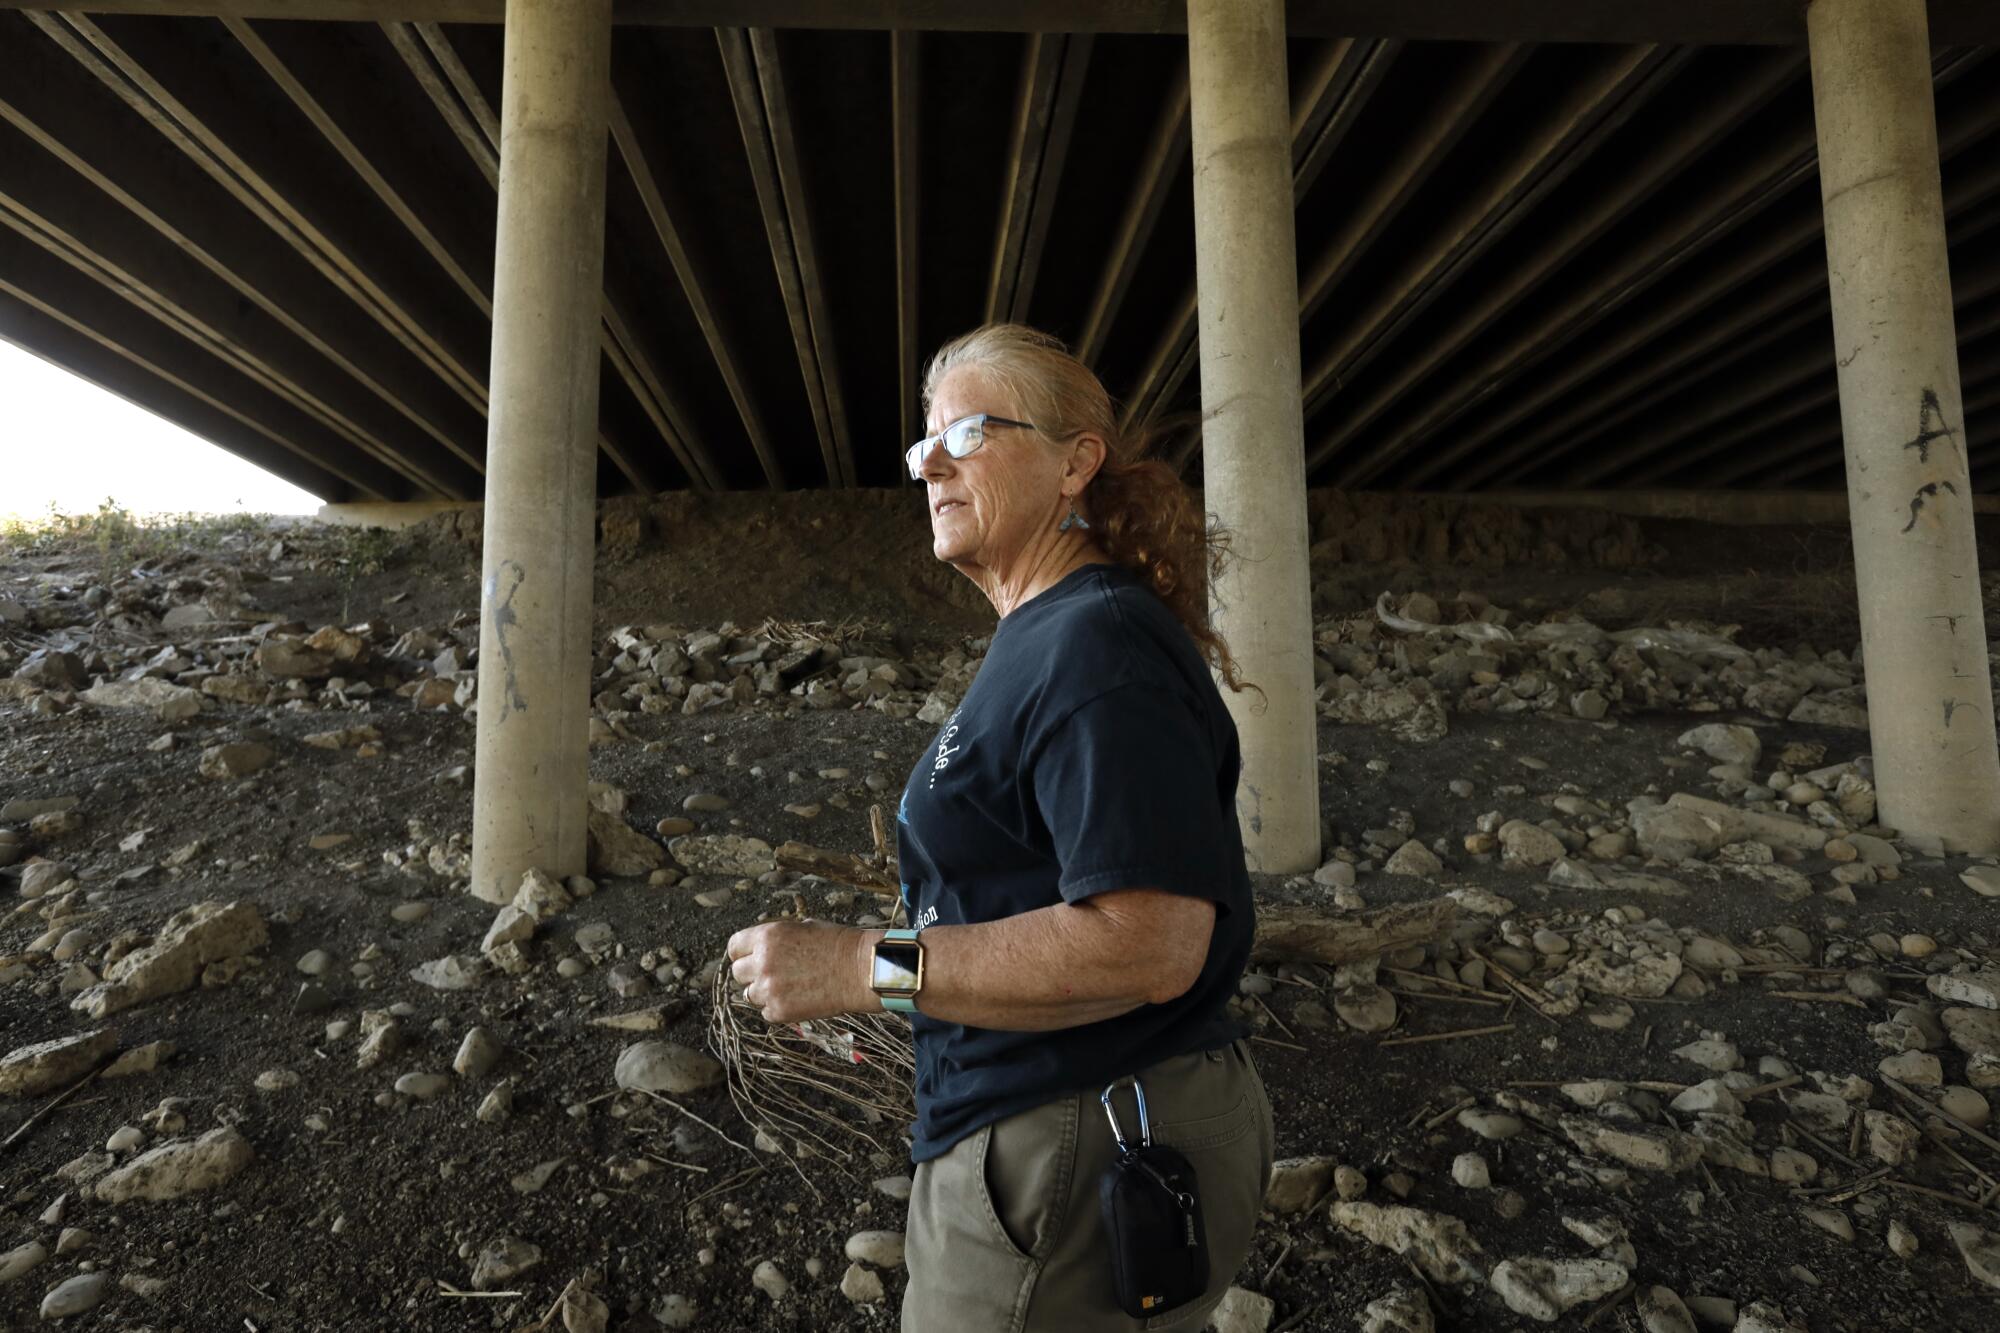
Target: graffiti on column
pixel 1924 493
pixel 501 609
pixel 1930 426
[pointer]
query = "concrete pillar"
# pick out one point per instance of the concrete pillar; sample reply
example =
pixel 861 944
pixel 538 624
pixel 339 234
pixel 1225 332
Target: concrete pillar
pixel 528 800
pixel 1253 431
pixel 1923 635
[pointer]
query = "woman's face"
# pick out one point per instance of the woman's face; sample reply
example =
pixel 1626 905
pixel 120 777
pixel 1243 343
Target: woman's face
pixel 987 507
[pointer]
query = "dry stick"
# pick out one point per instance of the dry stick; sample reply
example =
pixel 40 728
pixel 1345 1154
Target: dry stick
pixel 446 1289
pixel 1960 1200
pixel 1437 980
pixel 668 1161
pixel 1830 997
pixel 1617 1299
pixel 1837 1186
pixel 1716 1185
pixel 1824 1146
pixel 1772 1086
pixel 1854 1135
pixel 1276 1264
pixel 1647 1084
pixel 745 1174
pixel 1447 999
pixel 1449 1112
pixel 1942 1114
pixel 662 1097
pixel 1274 1017
pixel 1948 1150
pixel 1294 1320
pixel 1273 1041
pixel 1516 986
pixel 52 1104
pixel 1446 1036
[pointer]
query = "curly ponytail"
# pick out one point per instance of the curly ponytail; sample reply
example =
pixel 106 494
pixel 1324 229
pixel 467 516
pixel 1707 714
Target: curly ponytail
pixel 1140 511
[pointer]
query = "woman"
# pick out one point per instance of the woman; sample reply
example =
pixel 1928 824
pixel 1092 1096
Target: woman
pixel 1071 859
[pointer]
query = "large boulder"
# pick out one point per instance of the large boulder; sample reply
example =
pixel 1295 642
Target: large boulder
pixel 182 1166
pixel 46 1065
pixel 619 851
pixel 192 938
pixel 165 700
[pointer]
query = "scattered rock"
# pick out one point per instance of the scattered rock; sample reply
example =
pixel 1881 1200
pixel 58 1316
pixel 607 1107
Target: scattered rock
pixel 45 1066
pixel 503 1259
pixel 1413 859
pixel 177 1168
pixel 477 1054
pixel 1980 1249
pixel 1832 1221
pixel 1975 988
pixel 423 1087
pixel 1646 1147
pixel 1724 743
pixel 1403 1309
pixel 860 1285
pixel 771 1281
pixel 665 1067
pixel 1366 1008
pixel 191 940
pixel 619 851
pixel 85 1291
pixel 1493 1125
pixel 236 759
pixel 883 1249
pixel 451 972
pixel 1543 1289
pixel 1437 1243
pixel 1297 1184
pixel 1242 1311
pixel 722 854
pixel 166 701
pixel 1662 1311
pixel 18 1261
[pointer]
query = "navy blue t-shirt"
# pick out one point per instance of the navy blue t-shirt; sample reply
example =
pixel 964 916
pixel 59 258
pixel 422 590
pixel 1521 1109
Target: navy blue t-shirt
pixel 1093 752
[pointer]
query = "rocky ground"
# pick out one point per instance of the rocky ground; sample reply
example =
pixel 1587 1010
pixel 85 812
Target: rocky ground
pixel 1627 1011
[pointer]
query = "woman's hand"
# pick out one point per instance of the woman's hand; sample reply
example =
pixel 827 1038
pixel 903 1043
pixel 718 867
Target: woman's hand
pixel 796 970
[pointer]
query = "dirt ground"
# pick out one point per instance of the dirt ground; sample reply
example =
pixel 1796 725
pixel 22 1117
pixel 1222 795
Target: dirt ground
pixel 362 1208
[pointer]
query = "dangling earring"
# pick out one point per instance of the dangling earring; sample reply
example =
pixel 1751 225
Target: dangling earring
pixel 1075 520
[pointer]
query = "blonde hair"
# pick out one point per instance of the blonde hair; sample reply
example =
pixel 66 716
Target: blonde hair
pixel 1140 511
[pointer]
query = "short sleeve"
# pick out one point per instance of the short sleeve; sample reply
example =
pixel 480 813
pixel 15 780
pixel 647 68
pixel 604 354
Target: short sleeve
pixel 1128 788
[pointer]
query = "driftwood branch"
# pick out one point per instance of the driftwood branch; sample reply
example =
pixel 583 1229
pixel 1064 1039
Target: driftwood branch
pixel 863 872
pixel 1309 935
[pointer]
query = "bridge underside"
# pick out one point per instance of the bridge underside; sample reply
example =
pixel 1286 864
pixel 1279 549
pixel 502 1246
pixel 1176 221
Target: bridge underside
pixel 1554 264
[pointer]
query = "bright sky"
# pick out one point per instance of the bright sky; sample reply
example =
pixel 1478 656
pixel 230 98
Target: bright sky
pixel 67 442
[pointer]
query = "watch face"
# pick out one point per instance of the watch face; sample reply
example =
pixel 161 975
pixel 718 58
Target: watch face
pixel 898 966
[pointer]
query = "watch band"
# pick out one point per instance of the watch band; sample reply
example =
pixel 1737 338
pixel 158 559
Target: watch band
pixel 902 1004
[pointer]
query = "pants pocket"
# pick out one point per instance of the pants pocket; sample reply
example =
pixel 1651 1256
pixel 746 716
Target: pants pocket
pixel 1026 1165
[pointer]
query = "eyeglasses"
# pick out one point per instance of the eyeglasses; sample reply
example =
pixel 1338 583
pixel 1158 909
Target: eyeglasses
pixel 960 439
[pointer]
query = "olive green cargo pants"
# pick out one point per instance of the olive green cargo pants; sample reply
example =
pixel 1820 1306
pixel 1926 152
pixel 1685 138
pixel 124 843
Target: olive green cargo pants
pixel 1005 1233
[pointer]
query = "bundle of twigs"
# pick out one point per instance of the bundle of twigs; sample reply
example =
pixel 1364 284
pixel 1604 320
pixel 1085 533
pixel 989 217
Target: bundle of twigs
pixel 834 1088
pixel 801 633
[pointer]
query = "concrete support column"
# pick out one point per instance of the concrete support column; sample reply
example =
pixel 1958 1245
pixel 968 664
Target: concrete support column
pixel 1923 635
pixel 528 801
pixel 1253 431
